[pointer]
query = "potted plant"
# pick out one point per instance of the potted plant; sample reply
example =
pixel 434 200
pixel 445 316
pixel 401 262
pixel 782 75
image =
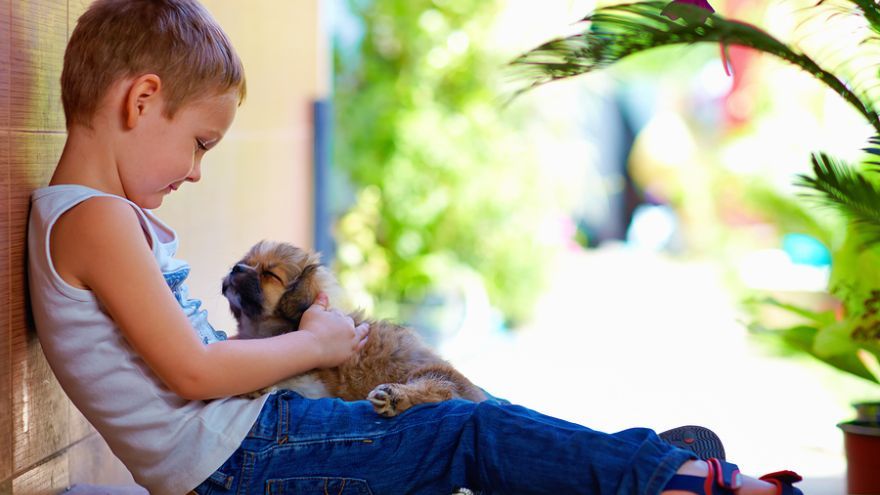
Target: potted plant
pixel 849 338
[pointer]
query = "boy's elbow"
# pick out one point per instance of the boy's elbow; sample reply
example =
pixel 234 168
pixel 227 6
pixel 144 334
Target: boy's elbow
pixel 184 388
pixel 192 390
pixel 188 391
pixel 190 385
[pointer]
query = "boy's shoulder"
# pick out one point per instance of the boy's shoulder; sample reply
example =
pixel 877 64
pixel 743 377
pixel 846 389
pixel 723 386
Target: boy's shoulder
pixel 97 211
pixel 82 236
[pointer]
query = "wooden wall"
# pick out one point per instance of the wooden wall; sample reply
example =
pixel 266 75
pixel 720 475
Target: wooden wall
pixel 256 184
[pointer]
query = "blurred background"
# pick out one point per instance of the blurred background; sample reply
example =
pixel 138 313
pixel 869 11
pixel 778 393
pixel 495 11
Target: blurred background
pixel 598 248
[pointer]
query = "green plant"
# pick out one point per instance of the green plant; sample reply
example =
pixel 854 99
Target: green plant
pixel 619 31
pixel 444 182
pixel 848 339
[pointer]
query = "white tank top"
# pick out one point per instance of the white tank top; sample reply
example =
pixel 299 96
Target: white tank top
pixel 169 444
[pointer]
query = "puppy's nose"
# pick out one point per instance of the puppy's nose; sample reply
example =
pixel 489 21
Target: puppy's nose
pixel 238 268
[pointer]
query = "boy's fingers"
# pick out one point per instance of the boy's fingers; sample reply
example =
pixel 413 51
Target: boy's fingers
pixel 363 342
pixel 322 300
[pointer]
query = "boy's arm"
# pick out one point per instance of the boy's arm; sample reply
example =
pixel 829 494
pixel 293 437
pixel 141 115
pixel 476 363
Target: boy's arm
pixel 105 248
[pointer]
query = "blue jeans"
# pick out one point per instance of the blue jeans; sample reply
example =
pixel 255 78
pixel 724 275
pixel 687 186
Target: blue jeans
pixel 303 446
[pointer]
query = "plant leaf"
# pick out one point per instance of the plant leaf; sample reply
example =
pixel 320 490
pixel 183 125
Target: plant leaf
pixel 618 31
pixel 834 340
pixel 838 185
pixel 820 318
pixel 871 11
pixel 803 338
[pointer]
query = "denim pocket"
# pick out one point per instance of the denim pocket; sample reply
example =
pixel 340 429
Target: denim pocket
pixel 266 425
pixel 315 485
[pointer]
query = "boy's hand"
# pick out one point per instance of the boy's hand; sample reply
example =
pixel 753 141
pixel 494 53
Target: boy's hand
pixel 335 336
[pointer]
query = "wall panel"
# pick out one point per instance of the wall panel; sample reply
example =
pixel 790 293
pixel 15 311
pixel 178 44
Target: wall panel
pixel 78 426
pixel 40 408
pixel 5 55
pixel 6 319
pixel 38 37
pixel 75 8
pixel 48 478
pixel 5 263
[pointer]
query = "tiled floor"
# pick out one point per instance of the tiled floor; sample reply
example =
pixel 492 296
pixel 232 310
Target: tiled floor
pixel 627 339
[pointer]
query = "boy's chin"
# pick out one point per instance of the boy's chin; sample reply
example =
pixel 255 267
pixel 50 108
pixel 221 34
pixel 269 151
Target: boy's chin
pixel 151 202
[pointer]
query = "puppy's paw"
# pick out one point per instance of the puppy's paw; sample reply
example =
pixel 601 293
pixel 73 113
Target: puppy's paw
pixel 389 399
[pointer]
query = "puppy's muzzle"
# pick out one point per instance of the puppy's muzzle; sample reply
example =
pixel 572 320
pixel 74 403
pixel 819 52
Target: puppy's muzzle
pixel 242 288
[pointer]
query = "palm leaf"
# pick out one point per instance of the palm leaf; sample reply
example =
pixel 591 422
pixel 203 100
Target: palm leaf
pixel 842 34
pixel 619 31
pixel 870 10
pixel 873 150
pixel 838 185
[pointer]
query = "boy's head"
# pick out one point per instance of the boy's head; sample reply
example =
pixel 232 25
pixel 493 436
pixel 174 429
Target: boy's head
pixel 177 40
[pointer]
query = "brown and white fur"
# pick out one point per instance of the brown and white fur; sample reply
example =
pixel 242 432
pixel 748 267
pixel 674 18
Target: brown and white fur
pixel 271 287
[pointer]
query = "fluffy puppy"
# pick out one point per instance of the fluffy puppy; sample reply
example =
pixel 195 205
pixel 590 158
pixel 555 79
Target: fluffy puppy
pixel 275 283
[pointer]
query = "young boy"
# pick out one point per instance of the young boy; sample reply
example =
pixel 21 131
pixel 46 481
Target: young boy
pixel 149 86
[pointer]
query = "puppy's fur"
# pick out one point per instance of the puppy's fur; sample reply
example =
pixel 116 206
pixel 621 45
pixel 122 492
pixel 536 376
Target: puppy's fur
pixel 275 283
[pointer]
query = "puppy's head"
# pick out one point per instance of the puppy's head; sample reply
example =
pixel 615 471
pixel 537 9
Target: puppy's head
pixel 269 289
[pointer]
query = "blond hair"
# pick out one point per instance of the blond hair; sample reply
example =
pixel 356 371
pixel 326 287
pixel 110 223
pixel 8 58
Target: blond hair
pixel 177 40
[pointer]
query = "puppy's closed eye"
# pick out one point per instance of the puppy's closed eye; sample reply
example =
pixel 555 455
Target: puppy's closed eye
pixel 273 275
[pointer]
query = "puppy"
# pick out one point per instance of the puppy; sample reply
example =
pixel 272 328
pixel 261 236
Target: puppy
pixel 275 283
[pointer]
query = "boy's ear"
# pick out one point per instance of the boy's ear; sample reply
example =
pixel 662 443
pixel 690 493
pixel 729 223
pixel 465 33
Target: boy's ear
pixel 142 97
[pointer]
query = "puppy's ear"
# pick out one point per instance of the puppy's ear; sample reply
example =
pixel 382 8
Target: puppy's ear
pixel 298 296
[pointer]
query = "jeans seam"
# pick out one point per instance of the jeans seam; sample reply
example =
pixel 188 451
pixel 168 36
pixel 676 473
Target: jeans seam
pixel 247 471
pixel 364 437
pixel 283 415
pixel 361 485
pixel 667 459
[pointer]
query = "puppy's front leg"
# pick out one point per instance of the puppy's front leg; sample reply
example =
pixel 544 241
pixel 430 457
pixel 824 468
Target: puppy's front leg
pixel 391 399
pixel 434 383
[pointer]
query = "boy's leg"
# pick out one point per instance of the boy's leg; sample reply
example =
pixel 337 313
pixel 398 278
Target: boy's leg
pixel 336 446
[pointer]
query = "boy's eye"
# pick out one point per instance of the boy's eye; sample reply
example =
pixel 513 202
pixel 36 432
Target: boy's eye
pixel 200 145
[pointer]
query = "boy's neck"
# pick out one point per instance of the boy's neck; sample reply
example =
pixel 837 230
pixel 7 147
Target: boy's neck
pixel 87 160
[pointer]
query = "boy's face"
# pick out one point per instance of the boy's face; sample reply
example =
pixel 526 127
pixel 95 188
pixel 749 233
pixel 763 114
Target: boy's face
pixel 164 153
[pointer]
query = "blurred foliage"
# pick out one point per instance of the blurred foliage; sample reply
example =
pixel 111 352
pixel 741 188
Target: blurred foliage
pixel 849 338
pixel 443 181
pixel 790 214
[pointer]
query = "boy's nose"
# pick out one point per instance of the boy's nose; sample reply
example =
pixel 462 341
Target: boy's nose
pixel 196 173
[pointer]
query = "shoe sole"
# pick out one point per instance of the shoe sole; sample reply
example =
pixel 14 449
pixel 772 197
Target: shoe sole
pixel 700 440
